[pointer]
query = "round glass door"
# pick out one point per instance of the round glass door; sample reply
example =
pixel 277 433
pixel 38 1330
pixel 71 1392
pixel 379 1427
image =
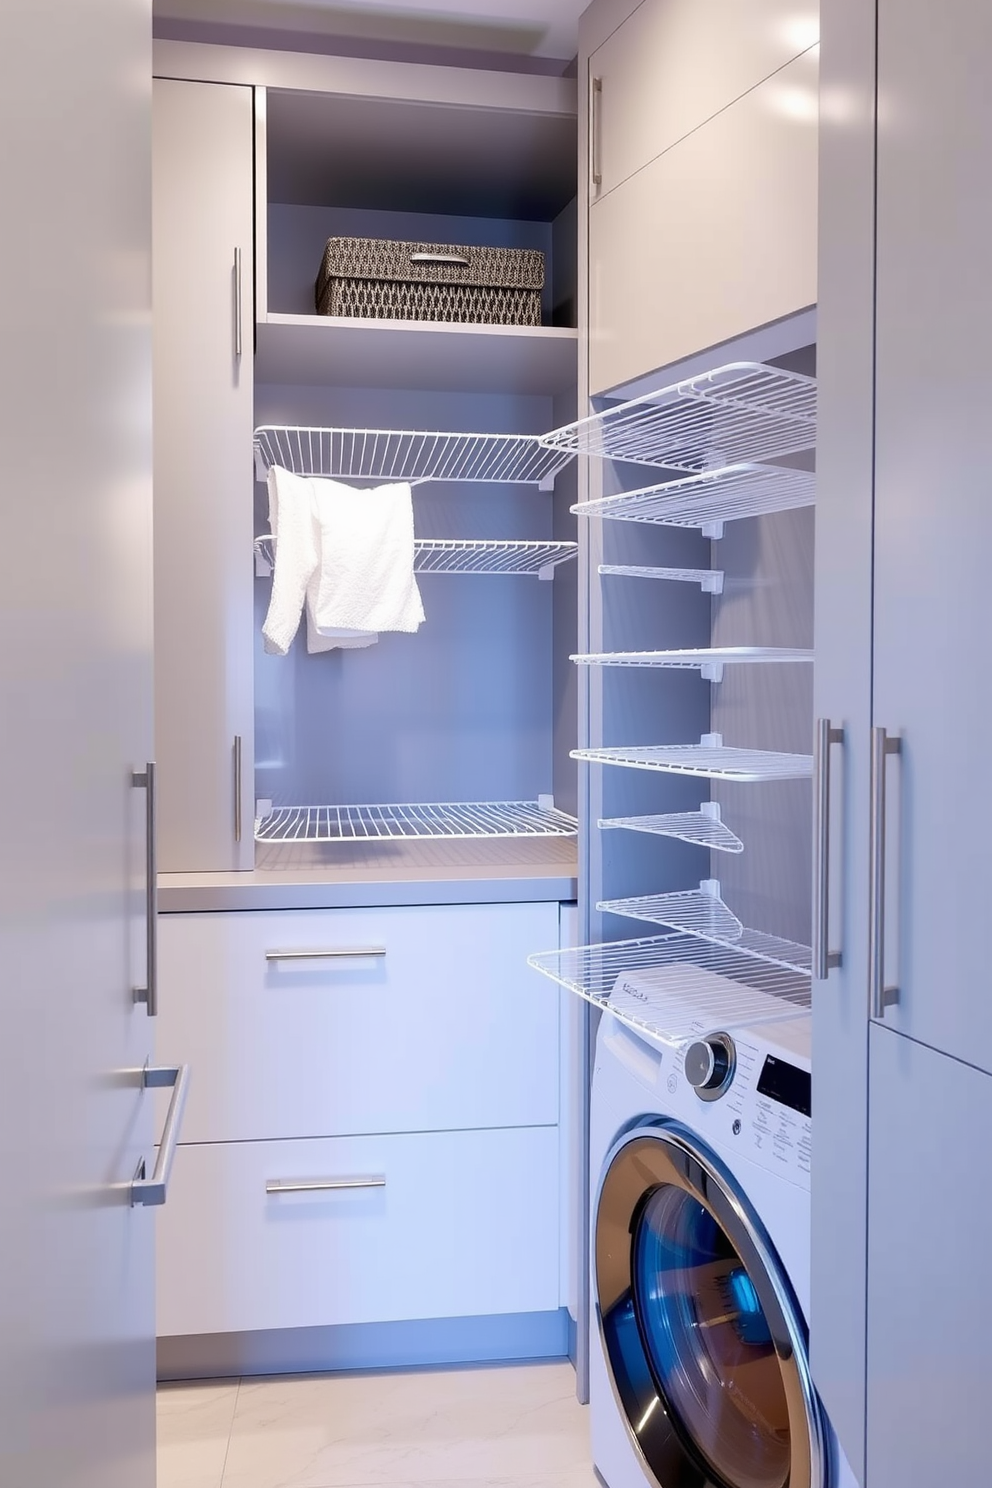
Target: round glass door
pixel 704 1338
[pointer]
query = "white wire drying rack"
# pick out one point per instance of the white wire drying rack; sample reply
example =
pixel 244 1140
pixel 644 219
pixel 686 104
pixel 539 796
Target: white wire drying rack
pixel 405 455
pixel 393 823
pixel 710 661
pixel 710 762
pixel 703 828
pixel 463 556
pixel 706 501
pixel 696 911
pixel 744 411
pixel 710 580
pixel 677 987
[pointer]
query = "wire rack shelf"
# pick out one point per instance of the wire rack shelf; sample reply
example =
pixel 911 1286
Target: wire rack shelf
pixel 678 987
pixel 393 823
pixel 404 455
pixel 468 556
pixel 710 661
pixel 703 828
pixel 706 501
pixel 696 911
pixel 743 411
pixel 710 580
pixel 709 762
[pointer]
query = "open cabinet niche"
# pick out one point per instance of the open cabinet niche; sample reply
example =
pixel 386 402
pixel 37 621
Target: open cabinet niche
pixel 478 707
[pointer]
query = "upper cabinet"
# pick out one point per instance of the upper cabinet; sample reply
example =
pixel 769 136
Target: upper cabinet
pixel 676 63
pixel 203 409
pixel 703 178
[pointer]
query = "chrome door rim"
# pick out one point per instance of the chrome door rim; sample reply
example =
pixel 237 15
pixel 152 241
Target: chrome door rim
pixel 719 1193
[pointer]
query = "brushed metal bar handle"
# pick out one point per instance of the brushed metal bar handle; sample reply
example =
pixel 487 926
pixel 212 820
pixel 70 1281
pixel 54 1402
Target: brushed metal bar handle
pixel 155 1190
pixel 238 753
pixel 148 994
pixel 824 959
pixel 441 258
pixel 321 1185
pixel 880 996
pixel 595 123
pixel 338 953
pixel 238 306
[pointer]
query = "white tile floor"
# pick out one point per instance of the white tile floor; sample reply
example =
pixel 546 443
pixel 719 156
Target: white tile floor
pixel 510 1427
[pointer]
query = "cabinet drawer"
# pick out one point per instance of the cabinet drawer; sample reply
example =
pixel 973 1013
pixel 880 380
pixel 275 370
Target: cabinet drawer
pixel 462 1224
pixel 712 239
pixel 439 1024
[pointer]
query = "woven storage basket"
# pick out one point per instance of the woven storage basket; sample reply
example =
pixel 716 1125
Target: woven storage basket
pixel 377 279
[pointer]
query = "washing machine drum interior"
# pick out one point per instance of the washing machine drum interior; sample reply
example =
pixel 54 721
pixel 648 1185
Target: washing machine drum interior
pixel 704 1339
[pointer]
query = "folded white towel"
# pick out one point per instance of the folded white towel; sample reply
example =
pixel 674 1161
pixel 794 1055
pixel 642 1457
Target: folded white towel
pixel 365 579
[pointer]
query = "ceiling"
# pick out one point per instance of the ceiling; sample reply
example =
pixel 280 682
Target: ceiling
pixel 535 28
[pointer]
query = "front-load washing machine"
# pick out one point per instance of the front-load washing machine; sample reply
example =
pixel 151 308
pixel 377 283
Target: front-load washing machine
pixel 699 1370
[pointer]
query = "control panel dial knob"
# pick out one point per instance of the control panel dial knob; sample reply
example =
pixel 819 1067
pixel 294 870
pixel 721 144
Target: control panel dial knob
pixel 709 1065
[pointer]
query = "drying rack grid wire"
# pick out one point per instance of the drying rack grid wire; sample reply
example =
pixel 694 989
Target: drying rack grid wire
pixel 677 987
pixel 393 823
pixel 710 580
pixel 403 455
pixel 692 910
pixel 697 659
pixel 743 411
pixel 687 826
pixel 703 500
pixel 464 556
pixel 689 913
pixel 710 762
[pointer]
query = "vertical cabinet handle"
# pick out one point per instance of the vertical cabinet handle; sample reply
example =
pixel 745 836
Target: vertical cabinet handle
pixel 148 994
pixel 595 131
pixel 238 306
pixel 824 959
pixel 880 996
pixel 237 787
pixel 155 1190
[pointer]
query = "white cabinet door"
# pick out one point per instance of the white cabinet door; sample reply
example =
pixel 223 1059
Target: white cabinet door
pixel 676 63
pixel 459 1224
pixel 77 1350
pixel 203 338
pixel 442 1025
pixel 933 518
pixel 713 238
pixel 929 1362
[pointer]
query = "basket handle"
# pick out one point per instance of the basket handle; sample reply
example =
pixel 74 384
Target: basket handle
pixel 441 258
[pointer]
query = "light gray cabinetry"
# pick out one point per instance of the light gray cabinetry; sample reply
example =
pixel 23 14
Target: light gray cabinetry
pixel 929 1364
pixel 902 1029
pixel 77 1403
pixel 674 64
pixel 702 162
pixel 203 308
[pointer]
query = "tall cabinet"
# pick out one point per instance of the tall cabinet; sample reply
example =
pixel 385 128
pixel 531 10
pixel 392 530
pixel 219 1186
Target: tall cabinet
pixel 903 1027
pixel 376 1120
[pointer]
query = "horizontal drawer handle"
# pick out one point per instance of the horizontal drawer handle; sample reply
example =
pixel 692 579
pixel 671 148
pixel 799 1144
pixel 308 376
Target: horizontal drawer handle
pixel 340 952
pixel 321 1185
pixel 440 258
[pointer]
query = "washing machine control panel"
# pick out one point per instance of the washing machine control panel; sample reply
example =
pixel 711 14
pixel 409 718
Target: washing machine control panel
pixel 748 1095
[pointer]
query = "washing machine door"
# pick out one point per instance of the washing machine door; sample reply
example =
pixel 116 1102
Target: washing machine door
pixel 704 1339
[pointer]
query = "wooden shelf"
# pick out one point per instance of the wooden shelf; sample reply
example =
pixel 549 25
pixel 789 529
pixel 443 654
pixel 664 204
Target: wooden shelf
pixel 331 351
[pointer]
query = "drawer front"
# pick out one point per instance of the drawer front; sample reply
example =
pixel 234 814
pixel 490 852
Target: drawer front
pixel 435 1022
pixel 459 1224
